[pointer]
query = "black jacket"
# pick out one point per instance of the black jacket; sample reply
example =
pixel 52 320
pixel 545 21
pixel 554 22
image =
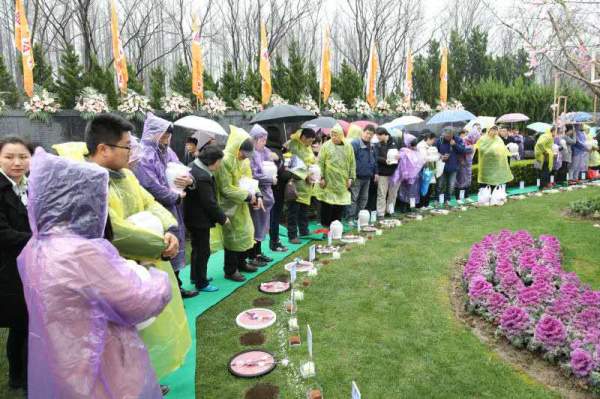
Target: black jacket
pixel 14 234
pixel 200 208
pixel 382 150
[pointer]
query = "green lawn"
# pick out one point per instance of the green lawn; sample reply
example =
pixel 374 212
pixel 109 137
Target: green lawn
pixel 382 316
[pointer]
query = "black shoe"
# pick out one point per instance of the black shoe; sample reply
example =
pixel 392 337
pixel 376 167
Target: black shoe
pixel 164 389
pixel 247 268
pixel 278 247
pixel 264 258
pixel 187 293
pixel 237 276
pixel 257 262
pixel 295 241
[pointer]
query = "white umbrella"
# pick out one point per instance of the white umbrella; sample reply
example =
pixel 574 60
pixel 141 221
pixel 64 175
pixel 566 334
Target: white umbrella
pixel 484 121
pixel 513 118
pixel 204 129
pixel 404 121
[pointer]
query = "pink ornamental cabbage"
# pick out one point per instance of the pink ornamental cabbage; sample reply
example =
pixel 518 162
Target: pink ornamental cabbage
pixel 514 321
pixel 529 297
pixel 550 332
pixel 480 289
pixel 582 362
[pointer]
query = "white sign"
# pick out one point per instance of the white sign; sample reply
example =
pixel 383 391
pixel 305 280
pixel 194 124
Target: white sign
pixel 582 175
pixel 521 184
pixel 309 341
pixel 441 200
pixel 538 183
pixel 461 195
pixel 373 217
pixel 293 273
pixel 413 202
pixel 568 176
pixel 355 391
pixel 551 178
pixel 312 253
pixel 329 238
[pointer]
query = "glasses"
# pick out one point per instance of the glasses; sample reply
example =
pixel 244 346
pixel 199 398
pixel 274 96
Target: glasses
pixel 128 148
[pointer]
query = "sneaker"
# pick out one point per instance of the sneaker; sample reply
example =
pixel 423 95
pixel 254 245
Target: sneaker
pixel 256 263
pixel 237 276
pixel 164 389
pixel 278 247
pixel 295 241
pixel 209 288
pixel 264 258
pixel 247 268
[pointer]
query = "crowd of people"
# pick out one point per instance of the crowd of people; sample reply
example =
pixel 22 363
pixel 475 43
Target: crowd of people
pixel 93 239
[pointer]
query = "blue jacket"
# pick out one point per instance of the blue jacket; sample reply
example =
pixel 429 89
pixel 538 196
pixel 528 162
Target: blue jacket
pixel 366 159
pixel 455 150
pixel 579 147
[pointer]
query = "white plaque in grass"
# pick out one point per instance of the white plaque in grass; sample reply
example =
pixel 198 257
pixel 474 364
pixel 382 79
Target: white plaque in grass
pixel 312 253
pixel 355 391
pixel 413 202
pixel 521 184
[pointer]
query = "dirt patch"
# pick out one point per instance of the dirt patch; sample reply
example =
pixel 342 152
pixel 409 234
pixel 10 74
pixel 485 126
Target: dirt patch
pixel 523 360
pixel 262 391
pixel 306 282
pixel 253 338
pixel 263 301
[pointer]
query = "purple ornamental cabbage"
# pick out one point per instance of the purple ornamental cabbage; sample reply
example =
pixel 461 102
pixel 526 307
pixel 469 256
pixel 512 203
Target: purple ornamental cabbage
pixel 514 321
pixel 550 332
pixel 581 362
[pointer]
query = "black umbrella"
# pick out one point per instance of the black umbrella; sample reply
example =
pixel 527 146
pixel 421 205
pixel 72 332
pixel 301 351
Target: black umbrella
pixel 323 122
pixel 282 114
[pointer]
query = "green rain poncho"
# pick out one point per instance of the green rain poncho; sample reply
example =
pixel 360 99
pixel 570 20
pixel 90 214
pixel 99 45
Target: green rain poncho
pixel 543 149
pixel 594 154
pixel 168 338
pixel 238 235
pixel 337 165
pixel 493 168
pixel 297 148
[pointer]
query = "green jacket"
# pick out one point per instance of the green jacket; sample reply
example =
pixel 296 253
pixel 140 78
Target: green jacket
pixel 304 189
pixel 337 165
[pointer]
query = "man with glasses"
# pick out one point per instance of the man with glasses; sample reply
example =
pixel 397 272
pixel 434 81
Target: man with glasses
pixel 109 141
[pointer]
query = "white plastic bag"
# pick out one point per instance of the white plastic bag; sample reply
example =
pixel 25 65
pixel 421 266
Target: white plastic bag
pixel 173 171
pixel 484 195
pixel 555 149
pixel 498 196
pixel 147 221
pixel 439 168
pixel 249 185
pixel 144 275
pixel 513 148
pixel 392 156
pixel 314 171
pixel 433 154
pixel 269 168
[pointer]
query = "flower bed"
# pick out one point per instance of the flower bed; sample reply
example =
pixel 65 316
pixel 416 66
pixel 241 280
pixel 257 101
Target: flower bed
pixel 517 283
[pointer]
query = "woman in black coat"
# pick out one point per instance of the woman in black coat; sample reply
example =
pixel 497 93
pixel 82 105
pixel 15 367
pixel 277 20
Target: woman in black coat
pixel 15 155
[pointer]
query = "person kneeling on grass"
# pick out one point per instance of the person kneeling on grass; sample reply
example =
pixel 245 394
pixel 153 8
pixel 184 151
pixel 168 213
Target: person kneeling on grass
pixel 201 213
pixel 84 300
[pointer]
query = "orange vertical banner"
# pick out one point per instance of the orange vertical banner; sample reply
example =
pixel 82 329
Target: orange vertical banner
pixel 372 76
pixel 23 44
pixel 408 82
pixel 197 64
pixel 118 53
pixel 264 66
pixel 444 78
pixel 325 81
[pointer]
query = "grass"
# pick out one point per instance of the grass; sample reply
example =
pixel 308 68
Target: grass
pixel 381 315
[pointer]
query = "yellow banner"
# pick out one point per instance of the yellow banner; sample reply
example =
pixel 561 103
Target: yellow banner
pixel 23 44
pixel 372 77
pixel 444 78
pixel 265 66
pixel 197 64
pixel 118 53
pixel 408 83
pixel 325 82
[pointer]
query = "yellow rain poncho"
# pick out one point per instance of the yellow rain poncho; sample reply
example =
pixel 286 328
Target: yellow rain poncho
pixel 337 165
pixel 354 132
pixel 168 338
pixel 297 148
pixel 543 149
pixel 238 235
pixel 493 168
pixel 594 154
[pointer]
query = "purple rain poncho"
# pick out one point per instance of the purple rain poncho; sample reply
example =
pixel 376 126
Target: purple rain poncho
pixel 464 175
pixel 261 218
pixel 407 174
pixel 83 299
pixel 150 162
